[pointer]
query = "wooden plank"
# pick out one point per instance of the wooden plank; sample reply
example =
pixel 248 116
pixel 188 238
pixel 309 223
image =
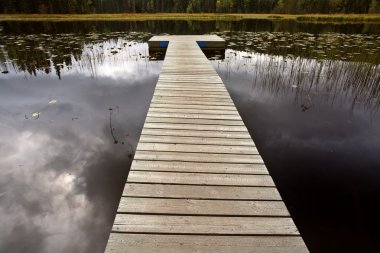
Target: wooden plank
pixel 200 179
pixel 187 99
pixel 193 111
pixel 189 90
pixel 196 133
pixel 196 107
pixel 169 74
pixel 195 148
pixel 143 243
pixel 172 78
pixel 197 157
pixel 187 72
pixel 202 207
pixel 196 140
pixel 190 87
pixel 223 168
pixel 217 127
pixel 192 94
pixel 178 65
pixel 188 79
pixel 201 85
pixel 184 70
pixel 204 225
pixel 193 115
pixel 201 192
pixel 195 121
pixel 169 80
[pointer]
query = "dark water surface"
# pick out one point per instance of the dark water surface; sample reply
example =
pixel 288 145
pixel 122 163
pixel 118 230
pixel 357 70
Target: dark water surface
pixel 74 96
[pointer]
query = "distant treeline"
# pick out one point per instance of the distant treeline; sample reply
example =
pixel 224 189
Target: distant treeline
pixel 189 6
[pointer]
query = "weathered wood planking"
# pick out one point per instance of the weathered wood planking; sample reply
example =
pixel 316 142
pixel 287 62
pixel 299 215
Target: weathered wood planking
pixel 202 207
pixel 199 178
pixel 200 192
pixel 196 140
pixel 200 167
pixel 207 225
pixel 119 243
pixel 195 148
pixel 214 122
pixel 197 182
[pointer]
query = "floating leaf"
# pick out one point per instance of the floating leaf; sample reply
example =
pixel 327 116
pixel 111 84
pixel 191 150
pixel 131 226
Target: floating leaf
pixel 36 115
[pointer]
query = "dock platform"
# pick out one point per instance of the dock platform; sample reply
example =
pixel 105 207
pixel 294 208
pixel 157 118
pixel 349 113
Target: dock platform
pixel 197 182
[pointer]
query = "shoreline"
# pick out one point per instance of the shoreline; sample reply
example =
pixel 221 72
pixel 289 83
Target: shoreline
pixel 304 18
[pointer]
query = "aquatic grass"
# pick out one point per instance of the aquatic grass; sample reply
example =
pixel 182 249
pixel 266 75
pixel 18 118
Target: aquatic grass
pixel 311 82
pixel 44 53
pixel 335 46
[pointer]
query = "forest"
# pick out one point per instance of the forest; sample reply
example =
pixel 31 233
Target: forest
pixel 188 6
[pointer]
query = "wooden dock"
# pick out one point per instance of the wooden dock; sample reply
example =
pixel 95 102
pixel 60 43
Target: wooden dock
pixel 197 182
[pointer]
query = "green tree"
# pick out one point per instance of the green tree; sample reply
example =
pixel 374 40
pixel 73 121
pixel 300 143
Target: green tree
pixel 194 6
pixel 279 7
pixel 374 7
pixel 225 6
pixel 336 6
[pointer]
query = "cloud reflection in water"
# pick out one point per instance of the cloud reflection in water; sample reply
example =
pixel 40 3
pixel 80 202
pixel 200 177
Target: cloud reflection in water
pixel 61 173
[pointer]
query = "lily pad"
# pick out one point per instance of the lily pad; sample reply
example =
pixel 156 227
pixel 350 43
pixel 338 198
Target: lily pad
pixel 36 115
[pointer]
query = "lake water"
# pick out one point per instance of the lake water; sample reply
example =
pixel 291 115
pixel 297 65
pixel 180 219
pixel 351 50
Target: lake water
pixel 74 97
